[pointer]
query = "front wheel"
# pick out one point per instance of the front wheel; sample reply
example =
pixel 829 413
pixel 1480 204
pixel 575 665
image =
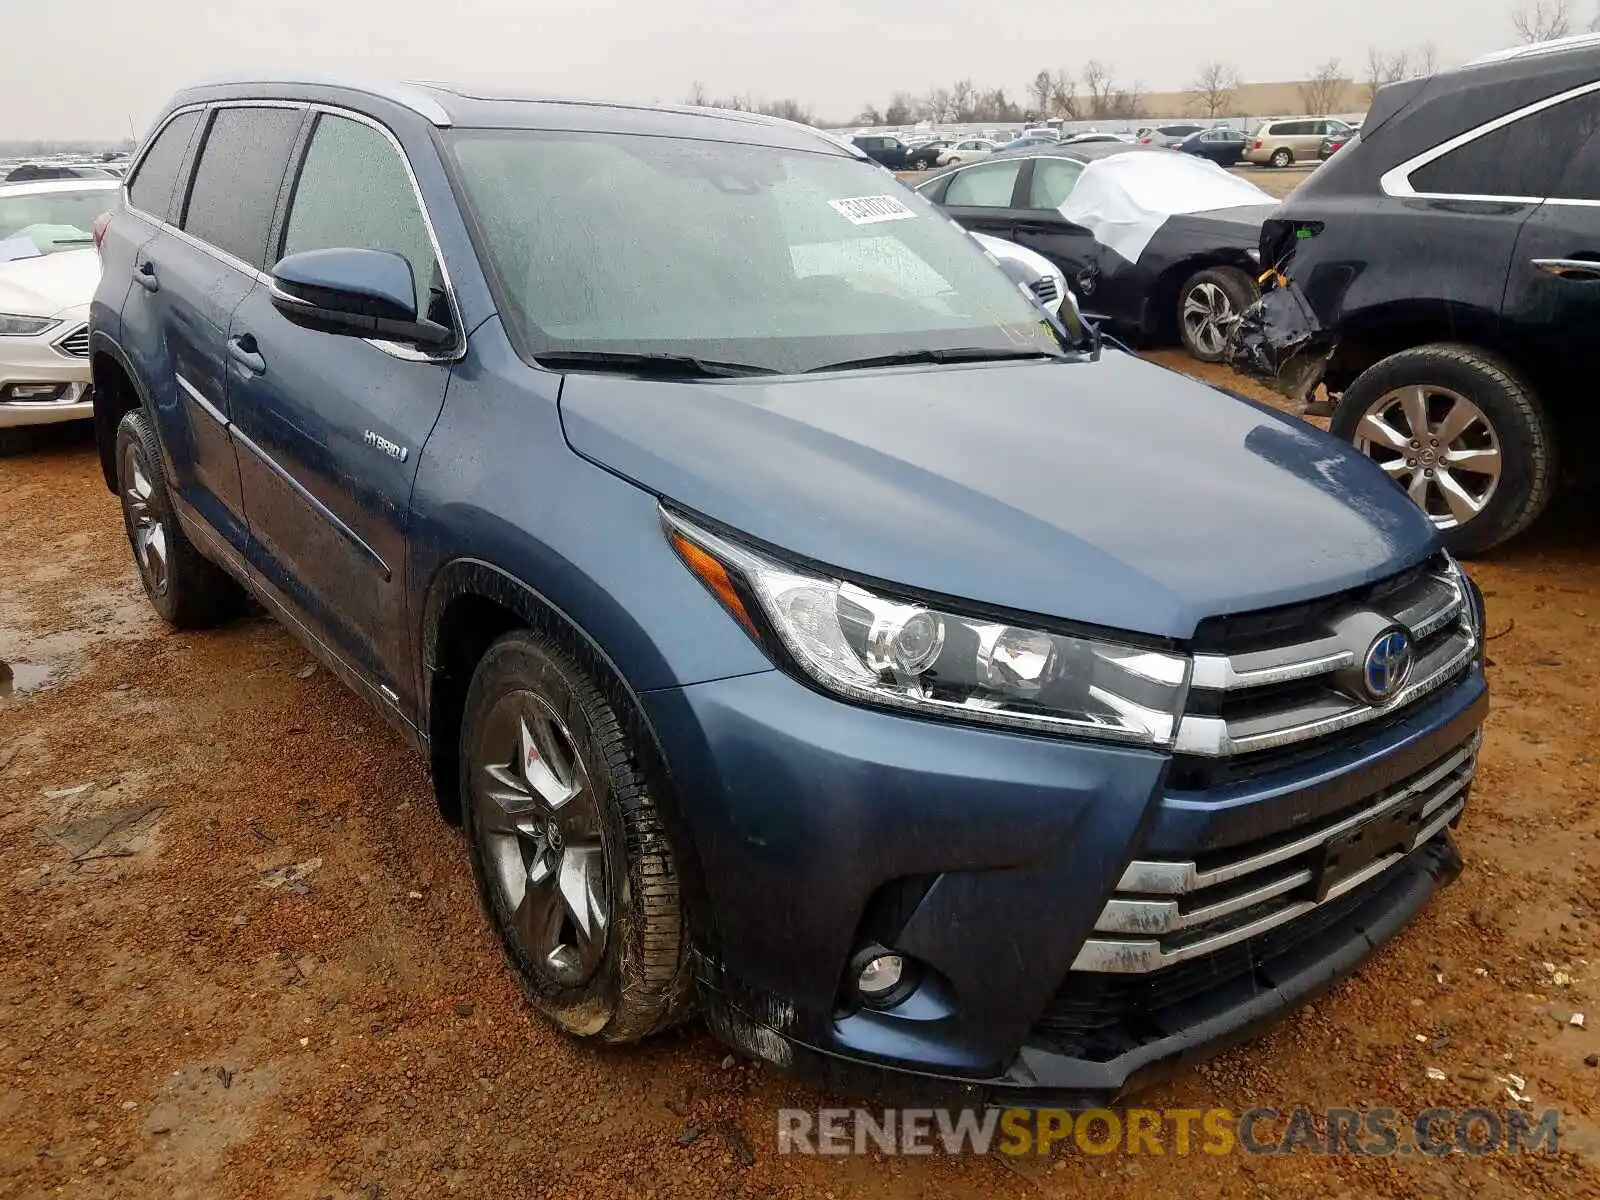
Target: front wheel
pixel 1210 304
pixel 1282 157
pixel 571 859
pixel 1462 434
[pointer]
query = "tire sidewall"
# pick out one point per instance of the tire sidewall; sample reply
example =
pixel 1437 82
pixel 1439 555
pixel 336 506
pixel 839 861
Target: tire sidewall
pixel 1235 284
pixel 523 664
pixel 1282 158
pixel 134 430
pixel 1462 372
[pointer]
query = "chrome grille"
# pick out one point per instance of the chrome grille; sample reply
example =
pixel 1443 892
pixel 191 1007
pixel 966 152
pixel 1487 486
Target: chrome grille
pixel 75 344
pixel 1295 684
pixel 1167 912
pixel 1046 290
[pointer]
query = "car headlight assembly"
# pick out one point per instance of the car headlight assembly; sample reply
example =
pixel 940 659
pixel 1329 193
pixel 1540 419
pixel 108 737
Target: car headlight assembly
pixel 16 325
pixel 896 652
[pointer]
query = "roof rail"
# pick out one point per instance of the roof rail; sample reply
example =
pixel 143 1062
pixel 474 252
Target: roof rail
pixel 418 99
pixel 1576 42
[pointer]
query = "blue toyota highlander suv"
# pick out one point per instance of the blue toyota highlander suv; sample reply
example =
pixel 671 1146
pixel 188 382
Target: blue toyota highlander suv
pixel 803 627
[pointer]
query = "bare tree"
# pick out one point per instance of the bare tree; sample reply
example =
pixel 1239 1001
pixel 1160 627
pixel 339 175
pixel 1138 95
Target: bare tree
pixel 1039 93
pixel 698 96
pixel 1101 86
pixel 870 117
pixel 964 98
pixel 902 110
pixel 1542 20
pixel 1214 88
pixel 1128 102
pixel 1384 69
pixel 1064 94
pixel 1428 58
pixel 1321 94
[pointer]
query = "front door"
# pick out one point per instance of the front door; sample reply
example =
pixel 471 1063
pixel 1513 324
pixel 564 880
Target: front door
pixel 330 428
pixel 1040 227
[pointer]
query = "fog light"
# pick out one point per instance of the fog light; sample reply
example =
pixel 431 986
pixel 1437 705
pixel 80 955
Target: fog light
pixel 35 393
pixel 880 976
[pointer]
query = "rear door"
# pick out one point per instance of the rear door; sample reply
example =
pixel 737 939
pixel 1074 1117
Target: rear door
pixel 330 428
pixel 199 274
pixel 1552 299
pixel 983 197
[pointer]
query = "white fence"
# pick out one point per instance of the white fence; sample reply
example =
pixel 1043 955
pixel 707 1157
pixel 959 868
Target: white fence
pixel 961 129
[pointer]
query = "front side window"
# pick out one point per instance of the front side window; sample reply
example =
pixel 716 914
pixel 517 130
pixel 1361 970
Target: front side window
pixel 988 186
pixel 1053 181
pixel 237 180
pixel 354 191
pixel 778 259
pixel 153 183
pixel 1523 159
pixel 49 222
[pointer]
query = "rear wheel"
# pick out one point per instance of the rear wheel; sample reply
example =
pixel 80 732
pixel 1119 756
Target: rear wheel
pixel 187 589
pixel 1462 434
pixel 1282 157
pixel 1210 304
pixel 571 859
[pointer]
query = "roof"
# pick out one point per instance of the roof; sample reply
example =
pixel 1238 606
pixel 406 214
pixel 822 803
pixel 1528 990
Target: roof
pixel 1578 41
pixel 41 187
pixel 483 105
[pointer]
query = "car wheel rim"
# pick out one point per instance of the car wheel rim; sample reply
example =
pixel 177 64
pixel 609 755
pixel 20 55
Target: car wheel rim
pixel 1438 446
pixel 539 818
pixel 145 528
pixel 1208 318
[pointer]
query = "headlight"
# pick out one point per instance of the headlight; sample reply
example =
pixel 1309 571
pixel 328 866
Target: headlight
pixel 896 652
pixel 1471 597
pixel 19 326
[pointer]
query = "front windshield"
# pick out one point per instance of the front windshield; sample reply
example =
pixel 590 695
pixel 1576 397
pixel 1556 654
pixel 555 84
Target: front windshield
pixel 48 222
pixel 779 259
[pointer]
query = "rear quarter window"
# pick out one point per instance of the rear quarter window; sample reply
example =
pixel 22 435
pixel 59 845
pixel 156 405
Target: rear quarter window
pixel 1525 158
pixel 152 185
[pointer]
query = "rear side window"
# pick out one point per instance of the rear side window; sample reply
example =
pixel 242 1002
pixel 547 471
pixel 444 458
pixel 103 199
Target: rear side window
pixel 1525 158
pixel 988 186
pixel 152 184
pixel 1053 181
pixel 354 191
pixel 236 183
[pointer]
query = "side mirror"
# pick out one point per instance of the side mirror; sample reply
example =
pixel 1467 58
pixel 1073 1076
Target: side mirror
pixel 355 293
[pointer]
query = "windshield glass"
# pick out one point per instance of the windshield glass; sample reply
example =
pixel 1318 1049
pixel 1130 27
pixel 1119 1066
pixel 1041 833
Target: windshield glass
pixel 47 222
pixel 780 259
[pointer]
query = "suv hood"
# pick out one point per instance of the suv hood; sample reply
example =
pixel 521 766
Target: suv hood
pixel 1116 492
pixel 43 286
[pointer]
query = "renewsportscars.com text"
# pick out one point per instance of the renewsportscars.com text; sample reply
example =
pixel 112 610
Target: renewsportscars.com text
pixel 1179 1131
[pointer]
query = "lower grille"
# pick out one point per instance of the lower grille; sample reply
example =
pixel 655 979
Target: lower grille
pixel 1167 912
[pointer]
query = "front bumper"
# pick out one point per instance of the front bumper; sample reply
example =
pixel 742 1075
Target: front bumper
pixel 47 360
pixel 989 858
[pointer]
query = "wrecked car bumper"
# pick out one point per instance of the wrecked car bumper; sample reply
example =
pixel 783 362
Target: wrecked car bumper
pixel 999 867
pixel 1280 342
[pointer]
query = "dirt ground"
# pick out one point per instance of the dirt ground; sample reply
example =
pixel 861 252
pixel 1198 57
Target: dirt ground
pixel 240 954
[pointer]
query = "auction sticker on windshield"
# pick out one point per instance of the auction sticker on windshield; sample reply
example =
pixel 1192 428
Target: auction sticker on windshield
pixel 869 210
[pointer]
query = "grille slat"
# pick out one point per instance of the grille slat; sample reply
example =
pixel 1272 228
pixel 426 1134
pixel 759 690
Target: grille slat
pixel 75 344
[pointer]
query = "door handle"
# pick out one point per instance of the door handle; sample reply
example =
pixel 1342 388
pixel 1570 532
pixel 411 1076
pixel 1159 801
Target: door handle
pixel 1578 269
pixel 243 350
pixel 145 276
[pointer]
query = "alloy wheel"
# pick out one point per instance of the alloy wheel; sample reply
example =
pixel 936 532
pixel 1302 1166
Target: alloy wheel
pixel 1208 318
pixel 147 529
pixel 1437 445
pixel 537 812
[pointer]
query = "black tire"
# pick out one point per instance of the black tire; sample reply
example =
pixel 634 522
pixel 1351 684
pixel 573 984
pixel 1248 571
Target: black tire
pixel 189 591
pixel 639 980
pixel 12 441
pixel 1227 293
pixel 1512 412
pixel 1282 157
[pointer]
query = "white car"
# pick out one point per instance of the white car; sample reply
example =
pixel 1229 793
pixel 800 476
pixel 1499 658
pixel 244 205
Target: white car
pixel 1048 285
pixel 49 270
pixel 966 151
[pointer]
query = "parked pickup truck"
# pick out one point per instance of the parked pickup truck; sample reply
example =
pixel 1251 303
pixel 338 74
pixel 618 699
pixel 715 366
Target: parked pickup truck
pixel 804 627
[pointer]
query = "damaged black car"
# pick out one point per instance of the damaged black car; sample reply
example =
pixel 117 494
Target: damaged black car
pixel 1161 247
pixel 1435 287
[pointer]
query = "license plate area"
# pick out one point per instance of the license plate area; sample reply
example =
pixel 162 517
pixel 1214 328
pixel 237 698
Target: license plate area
pixel 1356 849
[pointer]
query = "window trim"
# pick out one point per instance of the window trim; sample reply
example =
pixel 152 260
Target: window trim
pixel 144 153
pixel 1397 182
pixel 213 108
pixel 992 162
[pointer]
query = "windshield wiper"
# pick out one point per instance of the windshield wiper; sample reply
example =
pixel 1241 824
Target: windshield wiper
pixel 957 354
pixel 685 366
pixel 72 241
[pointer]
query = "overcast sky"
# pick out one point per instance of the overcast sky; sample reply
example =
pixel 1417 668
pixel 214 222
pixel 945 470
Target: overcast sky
pixel 89 68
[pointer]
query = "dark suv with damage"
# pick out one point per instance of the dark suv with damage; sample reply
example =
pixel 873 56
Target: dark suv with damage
pixel 1440 275
pixel 803 625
